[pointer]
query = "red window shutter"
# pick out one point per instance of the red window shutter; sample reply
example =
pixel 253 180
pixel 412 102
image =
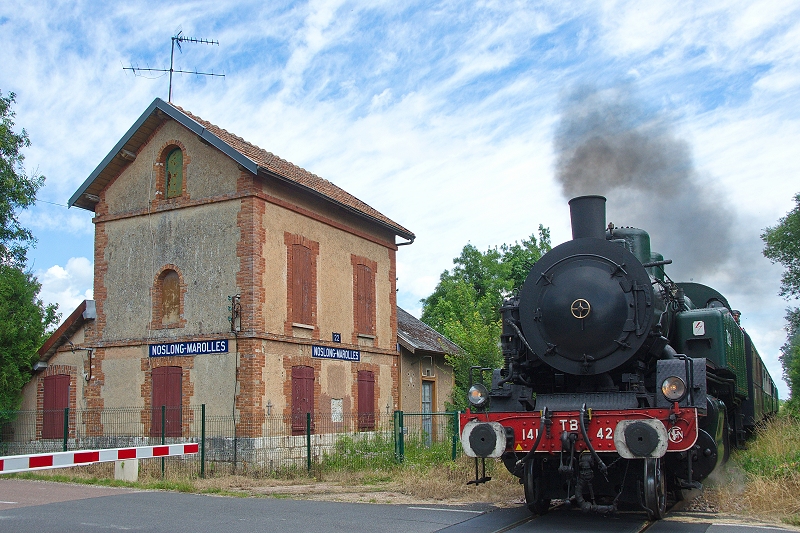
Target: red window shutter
pixel 365 300
pixel 302 295
pixel 366 400
pixel 302 398
pixel 167 385
pixel 56 399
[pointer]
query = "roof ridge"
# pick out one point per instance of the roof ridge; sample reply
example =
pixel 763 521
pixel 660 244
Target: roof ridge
pixel 292 172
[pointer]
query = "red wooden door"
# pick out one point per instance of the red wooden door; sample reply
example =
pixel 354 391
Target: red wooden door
pixel 56 399
pixel 366 400
pixel 166 392
pixel 302 398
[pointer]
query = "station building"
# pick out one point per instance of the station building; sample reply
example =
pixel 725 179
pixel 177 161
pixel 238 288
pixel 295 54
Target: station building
pixel 226 276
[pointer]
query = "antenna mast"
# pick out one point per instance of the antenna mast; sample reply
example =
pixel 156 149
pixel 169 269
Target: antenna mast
pixel 179 38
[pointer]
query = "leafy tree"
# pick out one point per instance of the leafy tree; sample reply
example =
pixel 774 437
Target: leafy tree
pixel 465 306
pixel 782 245
pixel 17 190
pixel 23 325
pixel 24 319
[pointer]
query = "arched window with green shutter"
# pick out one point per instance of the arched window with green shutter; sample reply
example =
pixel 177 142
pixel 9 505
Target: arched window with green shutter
pixel 174 173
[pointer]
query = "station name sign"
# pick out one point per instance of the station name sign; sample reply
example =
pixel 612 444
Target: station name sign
pixel 188 348
pixel 343 354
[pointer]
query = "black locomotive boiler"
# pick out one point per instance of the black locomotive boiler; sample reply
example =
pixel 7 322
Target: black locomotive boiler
pixel 618 385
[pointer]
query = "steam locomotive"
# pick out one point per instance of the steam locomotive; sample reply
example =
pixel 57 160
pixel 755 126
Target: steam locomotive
pixel 619 386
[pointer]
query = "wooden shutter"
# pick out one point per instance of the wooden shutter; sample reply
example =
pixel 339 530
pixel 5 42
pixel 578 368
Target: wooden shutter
pixel 56 399
pixel 302 295
pixel 174 171
pixel 167 381
pixel 302 398
pixel 366 400
pixel 170 298
pixel 365 300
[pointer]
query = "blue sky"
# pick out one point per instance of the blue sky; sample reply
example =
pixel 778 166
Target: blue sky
pixel 456 119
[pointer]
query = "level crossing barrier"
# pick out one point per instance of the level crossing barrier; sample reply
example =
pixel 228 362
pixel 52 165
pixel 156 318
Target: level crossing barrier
pixel 44 461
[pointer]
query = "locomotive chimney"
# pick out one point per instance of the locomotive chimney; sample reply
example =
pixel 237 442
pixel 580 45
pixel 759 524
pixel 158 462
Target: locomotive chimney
pixel 588 215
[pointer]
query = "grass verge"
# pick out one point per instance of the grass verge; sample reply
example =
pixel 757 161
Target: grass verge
pixel 764 479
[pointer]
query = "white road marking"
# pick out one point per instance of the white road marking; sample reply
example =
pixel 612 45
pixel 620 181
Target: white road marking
pixel 448 510
pixel 10 503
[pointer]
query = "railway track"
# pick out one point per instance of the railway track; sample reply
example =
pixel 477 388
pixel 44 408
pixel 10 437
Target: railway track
pixel 561 518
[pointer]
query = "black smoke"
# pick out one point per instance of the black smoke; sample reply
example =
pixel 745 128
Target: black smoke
pixel 609 143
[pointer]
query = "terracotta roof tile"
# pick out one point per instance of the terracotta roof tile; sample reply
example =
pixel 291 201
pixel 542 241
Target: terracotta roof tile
pixel 301 176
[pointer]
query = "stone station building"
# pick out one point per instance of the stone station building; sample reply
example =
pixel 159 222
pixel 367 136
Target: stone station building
pixel 228 277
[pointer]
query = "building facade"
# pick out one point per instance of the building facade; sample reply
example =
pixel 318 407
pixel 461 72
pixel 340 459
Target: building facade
pixel 228 277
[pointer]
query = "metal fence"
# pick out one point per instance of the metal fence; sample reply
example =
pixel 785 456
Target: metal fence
pixel 266 445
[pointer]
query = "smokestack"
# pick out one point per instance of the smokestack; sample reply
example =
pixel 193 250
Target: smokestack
pixel 588 215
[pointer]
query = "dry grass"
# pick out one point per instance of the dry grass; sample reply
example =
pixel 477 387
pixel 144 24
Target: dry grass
pixel 449 482
pixel 763 480
pixel 444 483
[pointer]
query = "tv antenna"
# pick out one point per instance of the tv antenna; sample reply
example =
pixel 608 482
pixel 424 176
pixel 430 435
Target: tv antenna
pixel 178 39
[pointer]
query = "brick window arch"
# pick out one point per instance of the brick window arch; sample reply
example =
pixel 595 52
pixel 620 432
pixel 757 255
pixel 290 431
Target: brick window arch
pixel 168 296
pixel 171 169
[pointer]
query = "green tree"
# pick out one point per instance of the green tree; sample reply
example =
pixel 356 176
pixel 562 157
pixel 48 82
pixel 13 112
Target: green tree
pixel 24 319
pixel 23 325
pixel 782 245
pixel 465 305
pixel 17 190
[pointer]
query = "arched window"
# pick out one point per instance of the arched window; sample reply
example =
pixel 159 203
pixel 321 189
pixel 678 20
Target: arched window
pixel 170 298
pixel 174 170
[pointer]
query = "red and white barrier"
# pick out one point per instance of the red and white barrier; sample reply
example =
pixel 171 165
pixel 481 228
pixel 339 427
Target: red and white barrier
pixel 43 461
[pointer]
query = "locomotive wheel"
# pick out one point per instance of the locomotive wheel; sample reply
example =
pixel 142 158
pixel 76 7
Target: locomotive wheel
pixel 655 489
pixel 537 503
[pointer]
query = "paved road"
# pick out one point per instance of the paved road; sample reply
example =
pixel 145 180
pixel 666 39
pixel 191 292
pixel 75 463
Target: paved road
pixel 43 507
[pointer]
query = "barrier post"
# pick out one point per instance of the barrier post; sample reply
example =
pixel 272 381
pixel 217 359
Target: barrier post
pixel 203 441
pixel 66 427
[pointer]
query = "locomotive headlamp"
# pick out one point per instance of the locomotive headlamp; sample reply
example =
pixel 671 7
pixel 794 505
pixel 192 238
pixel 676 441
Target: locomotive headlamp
pixel 478 395
pixel 673 389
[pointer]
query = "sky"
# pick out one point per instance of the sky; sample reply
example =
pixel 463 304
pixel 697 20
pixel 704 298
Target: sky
pixel 464 121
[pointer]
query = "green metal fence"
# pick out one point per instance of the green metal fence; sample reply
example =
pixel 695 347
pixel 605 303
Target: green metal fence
pixel 265 445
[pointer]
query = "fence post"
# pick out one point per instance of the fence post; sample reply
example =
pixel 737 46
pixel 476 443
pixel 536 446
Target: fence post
pixel 163 434
pixel 203 441
pixel 66 427
pixel 399 438
pixel 308 441
pixel 455 432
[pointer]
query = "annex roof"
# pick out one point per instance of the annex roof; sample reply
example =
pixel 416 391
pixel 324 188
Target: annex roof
pixel 85 311
pixel 414 335
pixel 249 156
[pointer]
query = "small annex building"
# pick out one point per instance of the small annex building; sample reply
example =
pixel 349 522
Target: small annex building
pixel 225 276
pixel 426 378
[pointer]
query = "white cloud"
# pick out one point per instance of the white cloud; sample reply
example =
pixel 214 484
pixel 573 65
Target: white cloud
pixel 441 117
pixel 67 286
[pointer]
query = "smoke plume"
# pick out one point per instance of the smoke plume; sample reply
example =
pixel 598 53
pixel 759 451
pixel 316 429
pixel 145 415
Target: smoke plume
pixel 608 143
